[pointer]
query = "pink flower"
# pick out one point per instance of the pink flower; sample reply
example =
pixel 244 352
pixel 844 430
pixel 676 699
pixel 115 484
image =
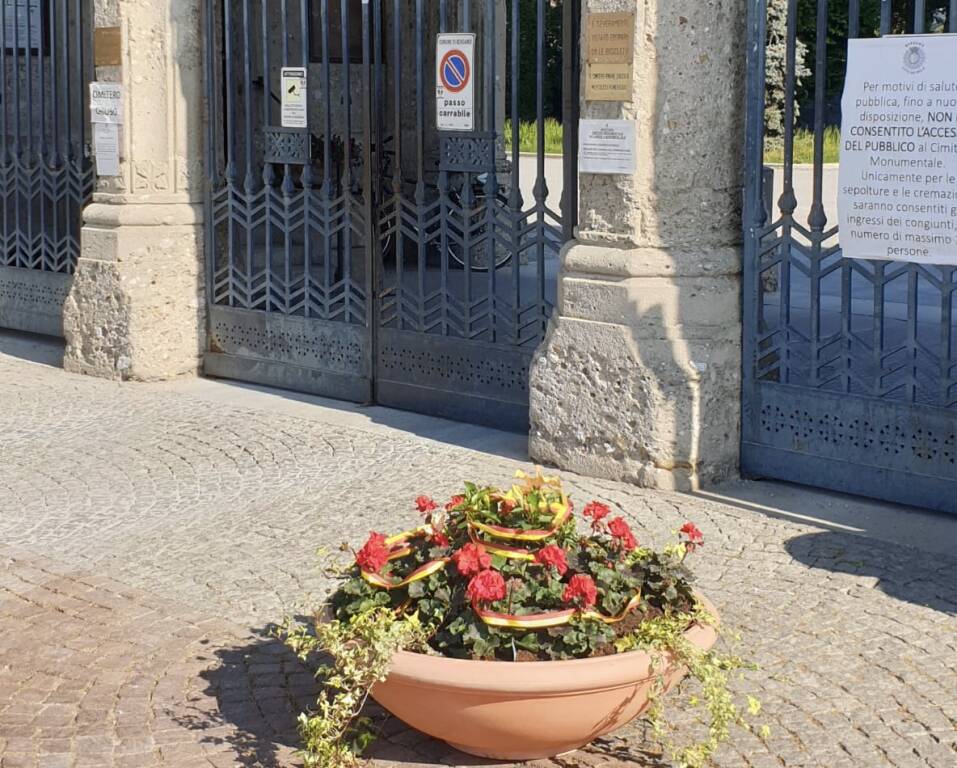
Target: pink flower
pixel 553 556
pixel 581 589
pixel 471 559
pixel 486 587
pixel 597 512
pixel 425 504
pixel 620 530
pixel 374 553
pixel 454 502
pixel 693 537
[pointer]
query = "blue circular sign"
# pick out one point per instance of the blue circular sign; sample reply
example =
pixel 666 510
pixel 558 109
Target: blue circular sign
pixel 455 71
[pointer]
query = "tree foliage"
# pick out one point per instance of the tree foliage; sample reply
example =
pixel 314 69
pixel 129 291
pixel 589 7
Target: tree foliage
pixel 776 69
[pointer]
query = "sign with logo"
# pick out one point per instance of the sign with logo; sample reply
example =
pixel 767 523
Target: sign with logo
pixel 454 88
pixel 607 146
pixel 897 186
pixel 295 97
pixel 106 103
pixel 609 56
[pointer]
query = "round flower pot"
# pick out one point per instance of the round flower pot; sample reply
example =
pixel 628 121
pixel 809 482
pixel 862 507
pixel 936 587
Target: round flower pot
pixel 525 710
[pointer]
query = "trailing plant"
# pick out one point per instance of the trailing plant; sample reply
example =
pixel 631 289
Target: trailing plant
pixel 713 672
pixel 336 733
pixel 506 575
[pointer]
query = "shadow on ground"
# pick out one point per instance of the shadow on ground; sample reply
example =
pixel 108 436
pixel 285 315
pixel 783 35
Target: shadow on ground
pixel 259 689
pixel 905 573
pixel 33 348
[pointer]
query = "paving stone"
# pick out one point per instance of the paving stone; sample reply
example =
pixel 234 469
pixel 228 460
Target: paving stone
pixel 148 541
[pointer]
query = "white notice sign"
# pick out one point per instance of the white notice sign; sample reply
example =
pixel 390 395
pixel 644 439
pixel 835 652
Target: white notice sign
pixel 897 189
pixel 295 101
pixel 106 148
pixel 106 103
pixel 454 91
pixel 607 146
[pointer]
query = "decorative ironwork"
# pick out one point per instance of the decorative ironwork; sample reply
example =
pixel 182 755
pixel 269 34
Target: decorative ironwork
pixel 434 255
pixel 850 372
pixel 286 145
pixel 472 152
pixel 46 176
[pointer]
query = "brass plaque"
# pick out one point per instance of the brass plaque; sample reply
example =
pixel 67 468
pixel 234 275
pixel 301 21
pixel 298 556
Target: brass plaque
pixel 610 37
pixel 609 57
pixel 107 49
pixel 609 82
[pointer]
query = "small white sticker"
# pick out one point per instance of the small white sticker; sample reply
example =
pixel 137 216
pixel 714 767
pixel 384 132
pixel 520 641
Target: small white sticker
pixel 454 74
pixel 106 148
pixel 106 103
pixel 607 146
pixel 295 97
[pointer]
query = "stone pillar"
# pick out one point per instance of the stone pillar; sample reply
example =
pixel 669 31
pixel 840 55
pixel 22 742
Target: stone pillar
pixel 136 308
pixel 639 376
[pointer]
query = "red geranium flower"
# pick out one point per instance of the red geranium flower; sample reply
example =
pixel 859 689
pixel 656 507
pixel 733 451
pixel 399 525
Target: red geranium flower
pixel 441 540
pixel 471 559
pixel 425 504
pixel 597 512
pixel 486 587
pixel 581 588
pixel 454 502
pixel 374 553
pixel 554 556
pixel 622 533
pixel 694 537
pixel 505 506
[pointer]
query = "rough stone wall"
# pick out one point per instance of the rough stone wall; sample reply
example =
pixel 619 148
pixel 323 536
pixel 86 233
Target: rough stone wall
pixel 639 376
pixel 136 309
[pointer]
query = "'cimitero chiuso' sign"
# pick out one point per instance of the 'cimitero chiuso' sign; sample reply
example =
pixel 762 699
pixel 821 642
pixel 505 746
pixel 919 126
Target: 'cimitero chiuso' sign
pixel 897 190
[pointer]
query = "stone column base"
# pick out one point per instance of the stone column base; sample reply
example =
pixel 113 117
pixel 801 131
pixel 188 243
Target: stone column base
pixel 136 309
pixel 638 378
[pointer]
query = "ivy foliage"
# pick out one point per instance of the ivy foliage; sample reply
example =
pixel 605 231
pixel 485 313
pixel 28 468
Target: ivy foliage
pixel 336 734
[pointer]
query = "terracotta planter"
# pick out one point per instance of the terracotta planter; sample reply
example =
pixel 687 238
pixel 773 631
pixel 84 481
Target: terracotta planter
pixel 524 710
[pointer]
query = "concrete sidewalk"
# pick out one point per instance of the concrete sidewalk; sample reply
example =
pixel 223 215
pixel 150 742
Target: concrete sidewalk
pixel 149 534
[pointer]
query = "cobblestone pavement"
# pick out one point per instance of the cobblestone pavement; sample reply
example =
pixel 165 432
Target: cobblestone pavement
pixel 148 536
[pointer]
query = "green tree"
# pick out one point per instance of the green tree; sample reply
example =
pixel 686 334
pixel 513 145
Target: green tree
pixel 528 47
pixel 776 70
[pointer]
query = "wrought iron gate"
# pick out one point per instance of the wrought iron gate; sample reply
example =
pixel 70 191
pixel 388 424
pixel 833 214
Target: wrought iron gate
pixel 850 367
pixel 46 175
pixel 370 256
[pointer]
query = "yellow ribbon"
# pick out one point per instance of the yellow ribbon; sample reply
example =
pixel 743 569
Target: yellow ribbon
pixel 399 551
pixel 560 517
pixel 552 618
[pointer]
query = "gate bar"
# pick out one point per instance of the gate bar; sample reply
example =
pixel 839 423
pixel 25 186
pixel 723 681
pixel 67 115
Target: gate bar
pixel 753 197
pixel 571 86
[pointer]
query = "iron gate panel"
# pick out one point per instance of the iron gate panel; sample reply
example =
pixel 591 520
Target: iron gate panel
pixel 850 366
pixel 289 282
pixel 46 175
pixel 370 256
pixel 468 260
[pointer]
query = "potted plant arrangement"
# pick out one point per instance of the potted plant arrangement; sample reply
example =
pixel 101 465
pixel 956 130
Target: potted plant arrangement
pixel 499 627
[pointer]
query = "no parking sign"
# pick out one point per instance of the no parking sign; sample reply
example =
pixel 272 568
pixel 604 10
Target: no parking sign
pixel 454 92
